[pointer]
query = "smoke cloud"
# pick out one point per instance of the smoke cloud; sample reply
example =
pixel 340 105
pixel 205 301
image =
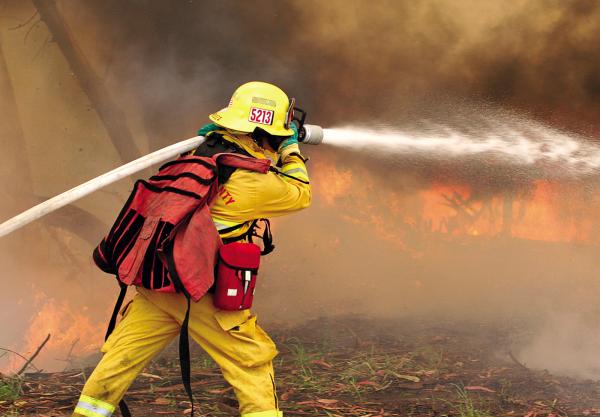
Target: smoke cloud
pixel 350 61
pixel 470 238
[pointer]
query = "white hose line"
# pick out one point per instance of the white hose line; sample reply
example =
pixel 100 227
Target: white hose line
pixel 95 184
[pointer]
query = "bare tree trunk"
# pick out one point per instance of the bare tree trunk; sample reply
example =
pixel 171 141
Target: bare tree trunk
pixel 114 120
pixel 16 191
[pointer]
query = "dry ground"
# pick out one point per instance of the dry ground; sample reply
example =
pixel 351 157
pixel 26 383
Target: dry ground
pixel 353 367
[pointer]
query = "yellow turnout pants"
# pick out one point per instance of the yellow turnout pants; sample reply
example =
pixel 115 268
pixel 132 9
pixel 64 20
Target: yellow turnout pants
pixel 232 338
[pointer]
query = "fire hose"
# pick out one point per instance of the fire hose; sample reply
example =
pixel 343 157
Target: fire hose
pixel 310 134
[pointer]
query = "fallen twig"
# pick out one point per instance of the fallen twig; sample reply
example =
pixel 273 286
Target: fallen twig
pixel 37 352
pixel 69 358
pixel 19 355
pixel 515 360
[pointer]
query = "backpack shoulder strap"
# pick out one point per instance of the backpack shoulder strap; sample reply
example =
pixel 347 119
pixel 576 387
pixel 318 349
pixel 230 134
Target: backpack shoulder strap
pixel 240 161
pixel 230 156
pixel 214 145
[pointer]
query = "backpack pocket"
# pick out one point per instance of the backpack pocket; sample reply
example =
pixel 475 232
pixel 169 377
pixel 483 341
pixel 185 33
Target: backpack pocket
pixel 237 270
pixel 129 267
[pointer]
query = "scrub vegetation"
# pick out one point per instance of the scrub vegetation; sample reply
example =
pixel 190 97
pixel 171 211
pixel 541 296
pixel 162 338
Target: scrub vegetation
pixel 465 406
pixel 349 367
pixel 10 389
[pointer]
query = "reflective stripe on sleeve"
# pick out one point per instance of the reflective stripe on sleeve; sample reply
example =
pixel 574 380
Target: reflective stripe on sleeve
pixel 91 407
pixel 295 170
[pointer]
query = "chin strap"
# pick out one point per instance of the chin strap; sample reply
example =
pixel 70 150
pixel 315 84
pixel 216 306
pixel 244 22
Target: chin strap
pixel 278 172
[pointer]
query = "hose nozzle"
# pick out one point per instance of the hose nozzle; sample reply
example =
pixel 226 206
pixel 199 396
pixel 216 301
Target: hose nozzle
pixel 311 134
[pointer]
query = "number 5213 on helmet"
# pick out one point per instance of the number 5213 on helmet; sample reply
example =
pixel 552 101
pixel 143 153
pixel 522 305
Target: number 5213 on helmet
pixel 259 104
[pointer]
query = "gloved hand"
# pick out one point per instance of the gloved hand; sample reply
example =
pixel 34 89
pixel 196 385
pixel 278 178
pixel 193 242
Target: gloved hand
pixel 290 144
pixel 206 129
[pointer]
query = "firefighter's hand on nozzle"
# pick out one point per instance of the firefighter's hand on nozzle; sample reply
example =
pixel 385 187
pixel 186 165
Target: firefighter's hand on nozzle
pixel 290 140
pixel 290 144
pixel 206 129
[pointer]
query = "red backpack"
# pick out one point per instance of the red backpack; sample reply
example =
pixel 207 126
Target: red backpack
pixel 164 239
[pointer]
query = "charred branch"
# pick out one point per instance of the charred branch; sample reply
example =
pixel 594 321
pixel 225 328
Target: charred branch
pixel 20 356
pixel 516 361
pixel 37 352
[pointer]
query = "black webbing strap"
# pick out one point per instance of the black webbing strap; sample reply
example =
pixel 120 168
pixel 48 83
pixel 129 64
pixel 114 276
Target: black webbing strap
pixel 113 319
pixel 111 326
pixel 184 355
pixel 267 236
pixel 124 409
pixel 278 172
pixel 184 340
pixel 216 144
pixel 231 229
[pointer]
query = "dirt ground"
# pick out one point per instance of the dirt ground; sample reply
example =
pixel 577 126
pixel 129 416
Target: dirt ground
pixel 353 367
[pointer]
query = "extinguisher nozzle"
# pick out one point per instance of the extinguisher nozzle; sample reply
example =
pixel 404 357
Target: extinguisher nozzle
pixel 312 134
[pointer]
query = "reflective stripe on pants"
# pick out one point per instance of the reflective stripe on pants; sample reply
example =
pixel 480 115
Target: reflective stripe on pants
pixel 91 407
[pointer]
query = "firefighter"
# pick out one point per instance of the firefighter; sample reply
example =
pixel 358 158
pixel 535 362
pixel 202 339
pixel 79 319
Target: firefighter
pixel 257 123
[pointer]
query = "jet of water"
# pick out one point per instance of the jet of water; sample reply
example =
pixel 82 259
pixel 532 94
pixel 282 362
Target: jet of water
pixel 519 142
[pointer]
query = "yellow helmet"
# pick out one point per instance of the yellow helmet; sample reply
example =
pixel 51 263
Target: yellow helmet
pixel 257 104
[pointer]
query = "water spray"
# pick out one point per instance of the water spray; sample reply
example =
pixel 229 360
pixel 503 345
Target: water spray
pixel 310 134
pixel 515 142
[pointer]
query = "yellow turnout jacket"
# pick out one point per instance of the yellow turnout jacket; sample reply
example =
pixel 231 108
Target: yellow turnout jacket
pixel 249 195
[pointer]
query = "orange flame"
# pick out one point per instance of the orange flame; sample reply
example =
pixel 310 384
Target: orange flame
pixel 72 332
pixel 549 211
pixel 338 182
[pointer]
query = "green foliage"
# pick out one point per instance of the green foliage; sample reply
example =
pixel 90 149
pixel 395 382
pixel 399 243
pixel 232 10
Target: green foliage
pixel 431 357
pixel 10 388
pixel 300 353
pixel 465 407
